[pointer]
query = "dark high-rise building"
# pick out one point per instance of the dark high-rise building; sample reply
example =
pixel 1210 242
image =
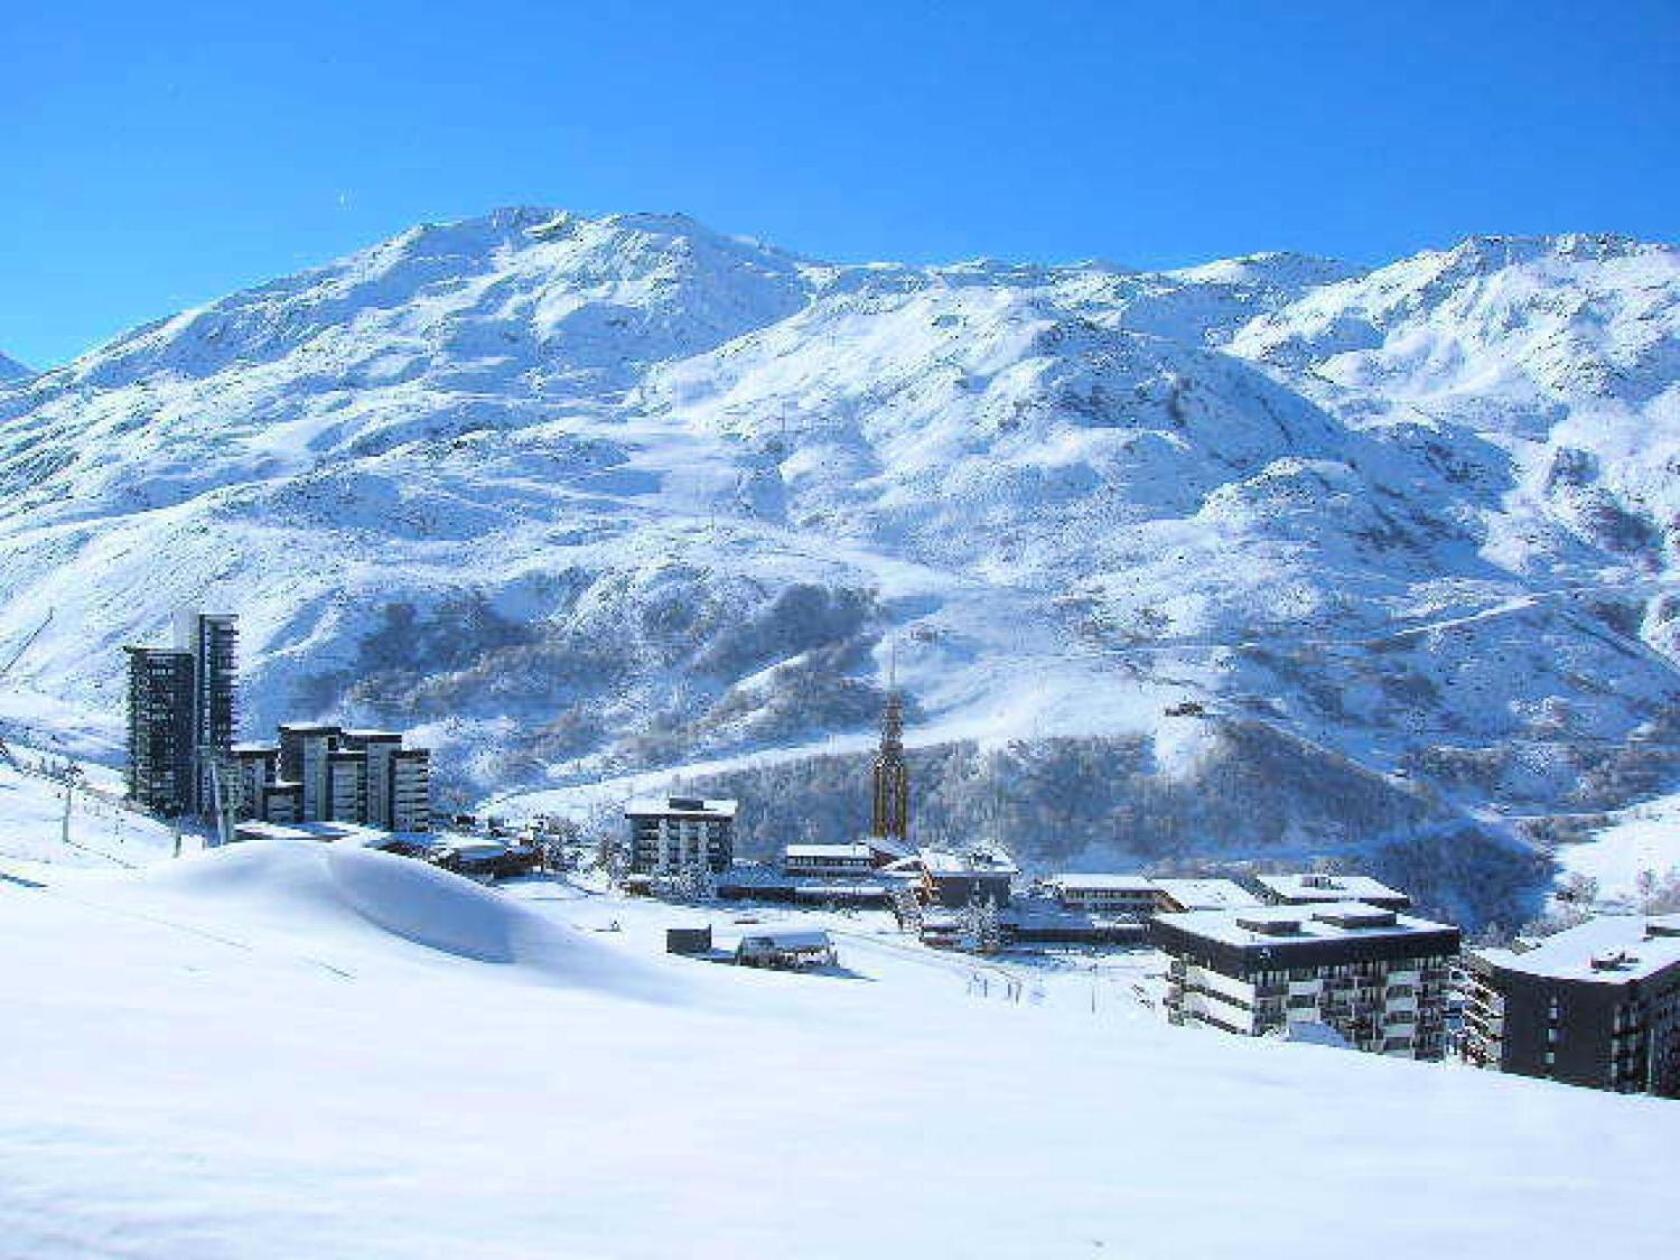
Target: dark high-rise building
pixel 160 729
pixel 212 639
pixel 890 818
pixel 1597 1004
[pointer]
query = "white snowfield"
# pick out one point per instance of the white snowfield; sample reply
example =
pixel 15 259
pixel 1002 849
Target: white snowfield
pixel 290 1049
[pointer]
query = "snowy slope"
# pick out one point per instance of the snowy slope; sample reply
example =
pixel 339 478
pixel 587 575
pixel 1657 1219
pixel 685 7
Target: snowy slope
pixel 578 497
pixel 11 368
pixel 234 1056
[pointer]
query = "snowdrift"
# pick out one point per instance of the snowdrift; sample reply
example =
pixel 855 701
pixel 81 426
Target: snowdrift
pixel 338 892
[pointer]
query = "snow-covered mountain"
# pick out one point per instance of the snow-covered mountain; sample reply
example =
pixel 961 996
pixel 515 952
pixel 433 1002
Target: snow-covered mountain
pixel 588 497
pixel 10 369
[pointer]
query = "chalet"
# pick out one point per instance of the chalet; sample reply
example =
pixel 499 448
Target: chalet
pixel 785 949
pixel 954 879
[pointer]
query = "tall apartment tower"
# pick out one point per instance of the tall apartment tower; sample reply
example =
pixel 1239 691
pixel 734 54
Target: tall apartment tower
pixel 305 751
pixel 212 640
pixel 161 761
pixel 890 816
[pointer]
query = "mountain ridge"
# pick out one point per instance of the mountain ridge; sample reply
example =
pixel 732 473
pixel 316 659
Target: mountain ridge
pixel 577 497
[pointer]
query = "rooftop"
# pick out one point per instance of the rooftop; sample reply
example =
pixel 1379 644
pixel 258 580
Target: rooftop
pixel 1314 886
pixel 1274 926
pixel 684 806
pixel 972 862
pixel 856 852
pixel 1611 949
pixel 1208 894
pixel 788 938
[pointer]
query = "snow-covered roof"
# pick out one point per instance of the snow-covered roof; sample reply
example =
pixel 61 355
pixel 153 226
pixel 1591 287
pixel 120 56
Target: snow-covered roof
pixel 681 806
pixel 787 938
pixel 1276 926
pixel 974 862
pixel 1313 886
pixel 829 852
pixel 1208 894
pixel 1611 949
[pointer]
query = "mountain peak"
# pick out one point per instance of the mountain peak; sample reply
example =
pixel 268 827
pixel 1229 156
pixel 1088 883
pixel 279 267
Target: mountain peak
pixel 11 369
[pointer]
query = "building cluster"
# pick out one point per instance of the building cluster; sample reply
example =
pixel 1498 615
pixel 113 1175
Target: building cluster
pixel 318 772
pixel 182 758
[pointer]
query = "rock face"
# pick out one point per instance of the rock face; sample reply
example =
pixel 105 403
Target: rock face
pixel 582 496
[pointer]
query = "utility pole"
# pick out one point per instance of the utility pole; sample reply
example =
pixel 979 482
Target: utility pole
pixel 71 773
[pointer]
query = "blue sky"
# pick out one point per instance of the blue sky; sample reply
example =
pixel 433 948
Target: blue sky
pixel 152 157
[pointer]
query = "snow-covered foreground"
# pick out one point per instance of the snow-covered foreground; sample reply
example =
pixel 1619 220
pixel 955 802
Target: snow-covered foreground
pixel 101 831
pixel 281 1050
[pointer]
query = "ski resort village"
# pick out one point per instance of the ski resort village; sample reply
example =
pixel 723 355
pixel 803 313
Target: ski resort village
pixel 591 737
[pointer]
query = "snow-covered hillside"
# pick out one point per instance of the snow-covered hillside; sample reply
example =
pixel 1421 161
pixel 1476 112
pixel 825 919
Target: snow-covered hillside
pixel 11 368
pixel 283 1050
pixel 583 497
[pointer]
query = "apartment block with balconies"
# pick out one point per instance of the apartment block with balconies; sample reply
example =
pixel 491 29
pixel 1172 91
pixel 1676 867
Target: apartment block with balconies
pixel 1596 1005
pixel 1376 977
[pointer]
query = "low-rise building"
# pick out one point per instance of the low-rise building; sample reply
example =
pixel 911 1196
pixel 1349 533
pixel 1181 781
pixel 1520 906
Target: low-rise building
pixel 1180 896
pixel 678 833
pixel 828 859
pixel 954 879
pixel 1130 896
pixel 1137 897
pixel 785 949
pixel 254 767
pixel 1308 888
pixel 280 802
pixel 1375 977
pixel 1595 1005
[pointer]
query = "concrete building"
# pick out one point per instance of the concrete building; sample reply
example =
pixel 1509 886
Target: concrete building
pixel 281 802
pixel 254 767
pixel 676 833
pixel 410 790
pixel 347 786
pixel 828 860
pixel 212 640
pixel 1375 977
pixel 1595 1005
pixel 1124 896
pixel 380 748
pixel 1179 896
pixel 1311 888
pixel 304 750
pixel 161 767
pixel 1137 897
